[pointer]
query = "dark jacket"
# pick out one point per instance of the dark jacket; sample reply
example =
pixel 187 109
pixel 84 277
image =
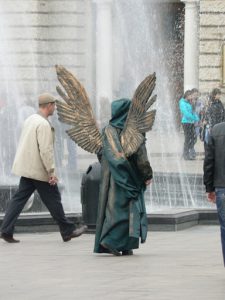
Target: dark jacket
pixel 214 163
pixel 215 113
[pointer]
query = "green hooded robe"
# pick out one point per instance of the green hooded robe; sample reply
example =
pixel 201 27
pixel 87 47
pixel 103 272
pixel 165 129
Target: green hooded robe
pixel 122 216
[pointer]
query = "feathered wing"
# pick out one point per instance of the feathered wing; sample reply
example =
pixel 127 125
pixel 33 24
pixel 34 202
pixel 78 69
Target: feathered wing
pixel 139 119
pixel 77 111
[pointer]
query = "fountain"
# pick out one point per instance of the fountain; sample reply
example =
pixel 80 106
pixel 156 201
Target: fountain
pixel 156 43
pixel 147 36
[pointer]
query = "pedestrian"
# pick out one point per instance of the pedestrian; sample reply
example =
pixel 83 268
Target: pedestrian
pixel 188 120
pixel 198 108
pixel 214 174
pixel 34 163
pixel 121 214
pixel 215 113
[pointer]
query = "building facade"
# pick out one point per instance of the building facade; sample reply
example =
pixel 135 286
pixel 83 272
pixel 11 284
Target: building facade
pixel 37 34
pixel 211 41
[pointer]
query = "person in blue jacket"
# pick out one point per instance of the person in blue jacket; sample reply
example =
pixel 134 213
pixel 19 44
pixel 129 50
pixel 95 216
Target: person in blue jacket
pixel 188 120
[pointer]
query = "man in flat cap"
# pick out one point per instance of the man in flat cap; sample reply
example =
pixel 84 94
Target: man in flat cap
pixel 34 163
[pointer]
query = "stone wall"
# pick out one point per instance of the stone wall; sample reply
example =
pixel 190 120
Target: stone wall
pixel 37 34
pixel 212 36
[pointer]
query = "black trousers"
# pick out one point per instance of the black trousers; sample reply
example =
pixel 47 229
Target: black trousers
pixel 51 197
pixel 189 138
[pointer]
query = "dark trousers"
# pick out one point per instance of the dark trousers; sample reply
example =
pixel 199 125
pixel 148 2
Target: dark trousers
pixel 189 139
pixel 51 197
pixel 220 203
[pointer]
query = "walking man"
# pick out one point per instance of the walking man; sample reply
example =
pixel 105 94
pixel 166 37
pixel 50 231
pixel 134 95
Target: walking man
pixel 214 174
pixel 34 163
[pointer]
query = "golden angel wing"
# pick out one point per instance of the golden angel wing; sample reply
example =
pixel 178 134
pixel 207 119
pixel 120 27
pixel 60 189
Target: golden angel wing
pixel 139 119
pixel 77 111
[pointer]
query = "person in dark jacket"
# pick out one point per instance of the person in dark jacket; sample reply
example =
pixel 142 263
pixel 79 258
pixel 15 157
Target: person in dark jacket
pixel 214 174
pixel 215 113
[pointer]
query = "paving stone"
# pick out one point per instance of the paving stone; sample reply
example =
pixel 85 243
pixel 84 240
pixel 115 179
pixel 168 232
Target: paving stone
pixel 169 266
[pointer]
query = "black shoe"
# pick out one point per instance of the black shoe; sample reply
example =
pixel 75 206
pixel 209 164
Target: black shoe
pixel 111 250
pixel 192 153
pixel 8 238
pixel 75 233
pixel 127 252
pixel 185 157
pixel 191 158
pixel 188 157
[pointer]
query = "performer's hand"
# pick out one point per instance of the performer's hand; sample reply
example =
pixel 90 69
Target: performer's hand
pixel 211 197
pixel 53 180
pixel 148 182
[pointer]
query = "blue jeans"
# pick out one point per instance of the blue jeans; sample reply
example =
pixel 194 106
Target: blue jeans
pixel 220 203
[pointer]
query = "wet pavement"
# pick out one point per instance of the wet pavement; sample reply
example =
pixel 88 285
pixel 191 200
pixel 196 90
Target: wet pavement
pixel 170 265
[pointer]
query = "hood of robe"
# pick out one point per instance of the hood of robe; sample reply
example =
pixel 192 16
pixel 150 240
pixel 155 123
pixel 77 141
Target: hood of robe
pixel 119 112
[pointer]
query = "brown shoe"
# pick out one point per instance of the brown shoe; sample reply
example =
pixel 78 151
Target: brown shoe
pixel 75 233
pixel 8 238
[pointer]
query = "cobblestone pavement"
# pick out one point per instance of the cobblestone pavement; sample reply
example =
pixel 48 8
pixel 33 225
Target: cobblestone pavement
pixel 171 265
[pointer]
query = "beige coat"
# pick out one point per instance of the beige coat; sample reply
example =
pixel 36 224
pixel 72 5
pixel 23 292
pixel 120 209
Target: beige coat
pixel 35 153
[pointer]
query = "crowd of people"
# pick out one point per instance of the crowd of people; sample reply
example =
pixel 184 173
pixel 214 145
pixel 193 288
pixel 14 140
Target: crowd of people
pixel 198 116
pixel 206 119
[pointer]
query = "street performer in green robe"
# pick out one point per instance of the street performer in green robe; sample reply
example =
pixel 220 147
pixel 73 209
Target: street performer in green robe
pixel 122 216
pixel 125 169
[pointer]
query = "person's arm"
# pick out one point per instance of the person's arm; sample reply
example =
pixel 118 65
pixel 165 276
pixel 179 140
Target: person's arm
pixel 143 164
pixel 209 163
pixel 209 170
pixel 46 148
pixel 210 117
pixel 223 118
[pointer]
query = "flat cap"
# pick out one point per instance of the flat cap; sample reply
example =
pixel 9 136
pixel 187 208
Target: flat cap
pixel 46 98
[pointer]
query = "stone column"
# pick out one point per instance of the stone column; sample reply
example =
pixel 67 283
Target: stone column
pixel 191 44
pixel 103 52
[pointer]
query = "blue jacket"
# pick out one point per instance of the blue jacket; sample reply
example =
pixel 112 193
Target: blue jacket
pixel 188 116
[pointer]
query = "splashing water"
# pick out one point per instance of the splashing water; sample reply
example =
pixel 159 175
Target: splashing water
pixel 147 37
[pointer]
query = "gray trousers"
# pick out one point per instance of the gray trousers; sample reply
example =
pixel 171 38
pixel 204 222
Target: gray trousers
pixel 50 196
